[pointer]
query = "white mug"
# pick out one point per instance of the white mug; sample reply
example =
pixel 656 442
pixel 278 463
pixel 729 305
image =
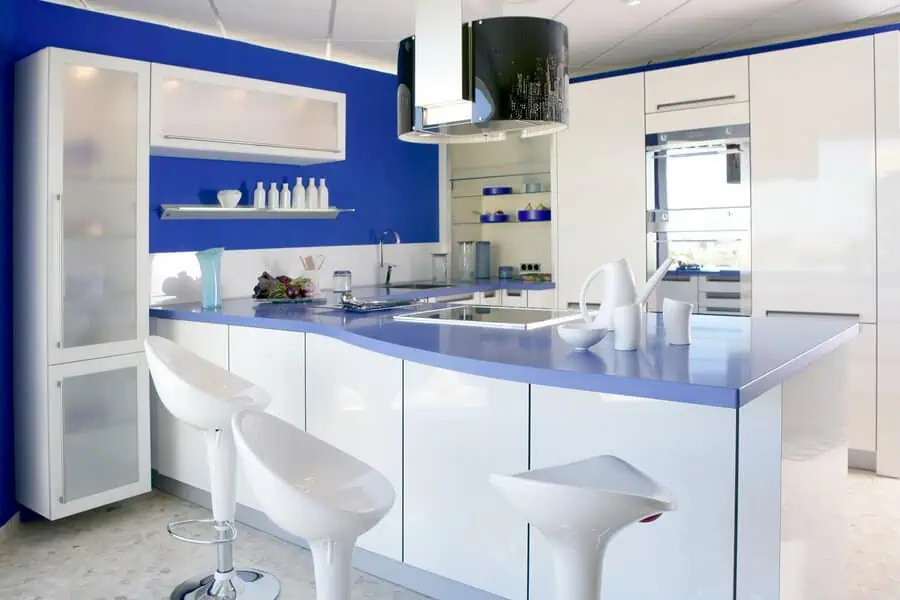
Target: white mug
pixel 627 326
pixel 677 321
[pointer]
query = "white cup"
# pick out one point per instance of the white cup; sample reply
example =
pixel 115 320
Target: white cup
pixel 677 321
pixel 627 326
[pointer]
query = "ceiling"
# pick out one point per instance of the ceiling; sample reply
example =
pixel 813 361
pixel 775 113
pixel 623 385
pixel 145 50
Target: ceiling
pixel 603 34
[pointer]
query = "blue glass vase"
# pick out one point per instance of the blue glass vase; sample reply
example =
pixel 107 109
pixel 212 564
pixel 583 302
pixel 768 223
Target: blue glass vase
pixel 210 276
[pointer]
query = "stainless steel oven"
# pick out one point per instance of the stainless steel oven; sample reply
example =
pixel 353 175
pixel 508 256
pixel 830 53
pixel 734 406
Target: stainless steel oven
pixel 698 211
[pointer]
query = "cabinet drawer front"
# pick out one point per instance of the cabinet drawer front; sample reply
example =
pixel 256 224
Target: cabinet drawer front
pixel 712 284
pixel 213 113
pixel 693 86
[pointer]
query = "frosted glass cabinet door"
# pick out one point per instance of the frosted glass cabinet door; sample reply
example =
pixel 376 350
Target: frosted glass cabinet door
pixel 99 432
pixel 99 142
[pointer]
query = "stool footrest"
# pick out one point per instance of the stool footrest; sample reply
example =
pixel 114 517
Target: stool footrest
pixel 224 532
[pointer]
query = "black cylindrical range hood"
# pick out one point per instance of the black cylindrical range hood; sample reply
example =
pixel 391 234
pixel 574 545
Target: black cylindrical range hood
pixel 515 73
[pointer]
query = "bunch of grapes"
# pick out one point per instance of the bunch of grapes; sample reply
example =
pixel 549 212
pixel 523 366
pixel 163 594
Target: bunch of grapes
pixel 281 287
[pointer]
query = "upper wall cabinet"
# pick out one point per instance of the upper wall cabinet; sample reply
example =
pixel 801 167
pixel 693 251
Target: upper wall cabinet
pixel 812 145
pixel 201 114
pixel 698 85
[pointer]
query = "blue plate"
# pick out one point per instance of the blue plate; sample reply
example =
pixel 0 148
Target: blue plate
pixel 494 218
pixel 534 215
pixel 496 191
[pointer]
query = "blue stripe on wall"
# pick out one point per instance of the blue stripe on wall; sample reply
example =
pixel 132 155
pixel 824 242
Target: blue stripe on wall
pixel 391 183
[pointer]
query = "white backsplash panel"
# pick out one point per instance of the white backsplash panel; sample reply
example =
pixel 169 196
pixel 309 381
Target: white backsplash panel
pixel 175 276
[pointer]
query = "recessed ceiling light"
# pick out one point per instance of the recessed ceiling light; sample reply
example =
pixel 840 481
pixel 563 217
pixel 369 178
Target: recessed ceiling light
pixel 631 2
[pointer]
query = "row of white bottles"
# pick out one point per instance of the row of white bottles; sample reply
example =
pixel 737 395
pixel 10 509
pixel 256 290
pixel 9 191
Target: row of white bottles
pixel 300 197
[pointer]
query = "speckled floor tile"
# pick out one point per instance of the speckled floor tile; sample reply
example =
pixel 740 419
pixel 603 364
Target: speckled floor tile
pixel 123 552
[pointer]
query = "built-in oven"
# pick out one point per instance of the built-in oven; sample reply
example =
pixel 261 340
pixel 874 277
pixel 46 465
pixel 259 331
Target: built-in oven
pixel 698 212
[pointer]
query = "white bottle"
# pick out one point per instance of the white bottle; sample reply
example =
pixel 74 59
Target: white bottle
pixel 285 201
pixel 323 194
pixel 299 195
pixel 259 196
pixel 312 195
pixel 273 196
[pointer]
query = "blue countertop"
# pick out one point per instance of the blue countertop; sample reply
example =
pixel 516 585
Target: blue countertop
pixel 731 360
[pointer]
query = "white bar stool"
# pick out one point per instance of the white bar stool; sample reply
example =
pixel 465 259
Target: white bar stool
pixel 314 491
pixel 578 507
pixel 205 396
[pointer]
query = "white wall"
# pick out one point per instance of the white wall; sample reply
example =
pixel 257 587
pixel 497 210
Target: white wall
pixel 175 276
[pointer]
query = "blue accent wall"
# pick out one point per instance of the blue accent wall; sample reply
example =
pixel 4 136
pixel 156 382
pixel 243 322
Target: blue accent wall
pixel 391 184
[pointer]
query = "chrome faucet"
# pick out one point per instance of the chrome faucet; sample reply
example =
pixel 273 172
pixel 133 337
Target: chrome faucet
pixel 381 263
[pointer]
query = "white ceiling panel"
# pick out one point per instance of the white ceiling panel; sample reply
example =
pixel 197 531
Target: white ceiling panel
pixel 738 10
pixel 374 20
pixel 292 20
pixel 180 13
pixel 374 55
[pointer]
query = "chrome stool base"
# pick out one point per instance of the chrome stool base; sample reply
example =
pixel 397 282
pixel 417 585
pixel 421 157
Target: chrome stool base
pixel 246 584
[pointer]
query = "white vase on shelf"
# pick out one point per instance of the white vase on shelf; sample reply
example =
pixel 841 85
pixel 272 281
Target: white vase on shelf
pixel 323 194
pixel 273 199
pixel 312 195
pixel 285 200
pixel 299 195
pixel 259 196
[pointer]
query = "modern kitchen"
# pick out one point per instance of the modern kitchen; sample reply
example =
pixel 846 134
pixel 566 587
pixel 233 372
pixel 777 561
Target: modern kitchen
pixel 322 299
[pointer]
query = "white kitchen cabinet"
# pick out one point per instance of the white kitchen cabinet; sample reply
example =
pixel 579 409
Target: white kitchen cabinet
pixel 202 114
pixel 492 298
pixel 361 413
pixel 541 298
pixel 179 451
pixel 813 180
pixel 601 183
pixel 887 121
pixel 515 298
pixel 458 429
pixel 861 387
pixel 697 85
pixel 80 246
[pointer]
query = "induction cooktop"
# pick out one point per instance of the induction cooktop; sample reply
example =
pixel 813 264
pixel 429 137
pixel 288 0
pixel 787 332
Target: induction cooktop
pixel 504 317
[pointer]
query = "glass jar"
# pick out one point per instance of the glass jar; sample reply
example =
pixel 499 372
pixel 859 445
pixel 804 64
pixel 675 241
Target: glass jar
pixel 439 267
pixel 341 281
pixel 466 261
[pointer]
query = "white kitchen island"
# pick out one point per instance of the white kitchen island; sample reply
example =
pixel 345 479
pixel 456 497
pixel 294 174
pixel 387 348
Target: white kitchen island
pixel 746 427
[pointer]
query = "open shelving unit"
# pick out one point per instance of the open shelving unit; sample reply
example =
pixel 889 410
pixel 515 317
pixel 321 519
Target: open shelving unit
pixel 202 211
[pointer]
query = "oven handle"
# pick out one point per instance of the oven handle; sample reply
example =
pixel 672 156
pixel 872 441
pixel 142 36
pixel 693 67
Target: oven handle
pixel 665 105
pixel 810 313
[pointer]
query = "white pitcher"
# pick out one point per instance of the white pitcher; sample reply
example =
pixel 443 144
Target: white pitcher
pixel 618 290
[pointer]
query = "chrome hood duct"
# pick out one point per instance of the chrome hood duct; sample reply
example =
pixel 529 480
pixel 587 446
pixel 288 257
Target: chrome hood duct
pixel 515 72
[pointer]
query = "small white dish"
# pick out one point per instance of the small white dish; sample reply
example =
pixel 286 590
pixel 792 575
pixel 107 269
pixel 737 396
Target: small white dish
pixel 580 335
pixel 229 198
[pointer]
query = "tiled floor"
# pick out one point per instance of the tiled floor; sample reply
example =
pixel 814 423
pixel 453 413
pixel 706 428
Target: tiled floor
pixel 123 553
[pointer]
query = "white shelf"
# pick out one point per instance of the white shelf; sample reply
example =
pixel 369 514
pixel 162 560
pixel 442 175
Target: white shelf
pixel 195 211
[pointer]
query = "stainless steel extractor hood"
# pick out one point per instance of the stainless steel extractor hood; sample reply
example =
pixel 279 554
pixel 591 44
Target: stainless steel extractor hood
pixel 515 74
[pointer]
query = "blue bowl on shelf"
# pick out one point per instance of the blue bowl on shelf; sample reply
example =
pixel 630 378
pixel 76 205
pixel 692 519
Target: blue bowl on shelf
pixel 534 215
pixel 496 191
pixel 494 218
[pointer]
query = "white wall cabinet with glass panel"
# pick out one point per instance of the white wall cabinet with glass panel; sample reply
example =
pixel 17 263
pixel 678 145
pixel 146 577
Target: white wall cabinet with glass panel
pixel 80 280
pixel 202 114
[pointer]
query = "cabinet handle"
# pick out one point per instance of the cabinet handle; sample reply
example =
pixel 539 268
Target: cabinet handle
pixel 577 306
pixel 682 278
pixel 61 262
pixel 723 278
pixel 806 313
pixel 697 101
pixel 720 309
pixel 722 295
pixel 514 293
pixel 191 138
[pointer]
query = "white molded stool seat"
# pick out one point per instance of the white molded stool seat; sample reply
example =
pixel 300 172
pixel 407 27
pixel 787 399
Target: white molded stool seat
pixel 205 396
pixel 578 507
pixel 312 490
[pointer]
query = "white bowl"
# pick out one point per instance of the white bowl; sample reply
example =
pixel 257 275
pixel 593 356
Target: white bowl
pixel 229 198
pixel 580 335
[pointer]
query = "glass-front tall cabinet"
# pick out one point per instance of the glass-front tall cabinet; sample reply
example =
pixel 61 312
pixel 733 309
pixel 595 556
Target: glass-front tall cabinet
pixel 81 274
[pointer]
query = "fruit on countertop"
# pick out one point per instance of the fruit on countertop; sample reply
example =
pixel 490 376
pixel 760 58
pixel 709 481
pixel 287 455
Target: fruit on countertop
pixel 540 206
pixel 282 287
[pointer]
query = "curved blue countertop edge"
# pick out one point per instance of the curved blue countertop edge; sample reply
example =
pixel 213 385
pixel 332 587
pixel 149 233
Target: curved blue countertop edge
pixel 732 360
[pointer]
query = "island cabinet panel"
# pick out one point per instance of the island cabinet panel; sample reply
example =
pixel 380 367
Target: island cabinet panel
pixel 459 429
pixel 177 450
pixel 813 181
pixel 273 360
pixel 355 402
pixel 689 449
